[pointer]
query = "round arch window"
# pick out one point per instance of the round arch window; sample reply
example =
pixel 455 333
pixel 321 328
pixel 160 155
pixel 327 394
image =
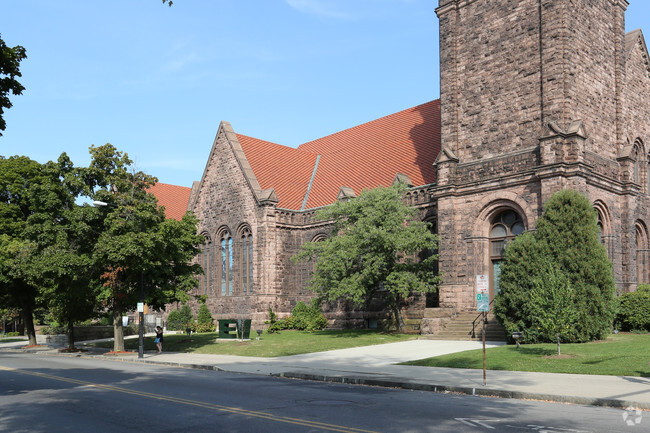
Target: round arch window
pixel 505 226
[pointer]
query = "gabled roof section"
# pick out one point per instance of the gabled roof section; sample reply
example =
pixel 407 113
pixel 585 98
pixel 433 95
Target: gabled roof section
pixel 631 40
pixel 174 198
pixel 403 145
pixel 284 169
pixel 372 154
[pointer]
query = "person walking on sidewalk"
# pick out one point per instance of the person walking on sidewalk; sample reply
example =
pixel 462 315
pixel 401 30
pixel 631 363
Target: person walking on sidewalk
pixel 159 338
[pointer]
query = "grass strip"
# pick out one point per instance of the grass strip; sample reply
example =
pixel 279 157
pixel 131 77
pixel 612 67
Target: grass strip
pixel 284 343
pixel 618 355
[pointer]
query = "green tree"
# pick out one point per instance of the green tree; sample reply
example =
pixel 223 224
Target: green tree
pixel 204 320
pixel 138 246
pixel 70 273
pixel 32 203
pixel 374 249
pixel 567 238
pixel 551 304
pixel 10 59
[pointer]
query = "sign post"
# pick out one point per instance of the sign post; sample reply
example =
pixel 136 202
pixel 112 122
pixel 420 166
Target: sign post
pixel 483 306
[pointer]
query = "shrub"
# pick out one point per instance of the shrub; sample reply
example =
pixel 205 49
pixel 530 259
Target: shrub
pixel 634 311
pixel 567 239
pixel 303 318
pixel 53 330
pixel 308 317
pixel 205 322
pixel 178 320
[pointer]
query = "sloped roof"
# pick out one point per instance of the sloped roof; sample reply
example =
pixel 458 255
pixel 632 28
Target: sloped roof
pixel 631 38
pixel 365 156
pixel 285 169
pixel 370 155
pixel 174 198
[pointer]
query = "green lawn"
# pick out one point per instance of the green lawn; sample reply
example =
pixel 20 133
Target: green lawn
pixel 619 355
pixel 11 339
pixel 279 344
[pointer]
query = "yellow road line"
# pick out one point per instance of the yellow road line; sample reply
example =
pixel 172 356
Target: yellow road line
pixel 233 410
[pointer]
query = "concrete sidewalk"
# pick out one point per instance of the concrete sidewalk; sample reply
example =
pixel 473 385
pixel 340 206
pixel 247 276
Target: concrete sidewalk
pixel 375 365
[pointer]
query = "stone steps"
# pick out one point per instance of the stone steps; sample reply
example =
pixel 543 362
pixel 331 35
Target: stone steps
pixel 460 328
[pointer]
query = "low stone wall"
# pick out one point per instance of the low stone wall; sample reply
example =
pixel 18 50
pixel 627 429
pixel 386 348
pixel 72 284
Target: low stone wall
pixel 58 339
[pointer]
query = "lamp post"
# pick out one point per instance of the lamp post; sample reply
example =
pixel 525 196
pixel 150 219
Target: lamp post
pixel 141 303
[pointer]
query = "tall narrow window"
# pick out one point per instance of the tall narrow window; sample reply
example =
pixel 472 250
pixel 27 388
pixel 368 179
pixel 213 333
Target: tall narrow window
pixel 641 253
pixel 230 272
pixel 637 165
pixel 246 261
pixel 226 264
pixel 204 261
pixel 250 264
pixel 207 268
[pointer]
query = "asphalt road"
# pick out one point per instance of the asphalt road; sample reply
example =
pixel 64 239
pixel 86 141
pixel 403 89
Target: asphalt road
pixel 60 394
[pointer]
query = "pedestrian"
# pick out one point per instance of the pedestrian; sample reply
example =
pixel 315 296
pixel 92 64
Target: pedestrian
pixel 159 338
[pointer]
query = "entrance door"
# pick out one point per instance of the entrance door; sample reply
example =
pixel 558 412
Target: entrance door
pixel 505 226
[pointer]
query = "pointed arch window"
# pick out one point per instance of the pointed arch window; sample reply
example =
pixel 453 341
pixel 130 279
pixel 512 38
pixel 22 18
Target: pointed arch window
pixel 205 260
pixel 246 261
pixel 637 164
pixel 641 252
pixel 225 242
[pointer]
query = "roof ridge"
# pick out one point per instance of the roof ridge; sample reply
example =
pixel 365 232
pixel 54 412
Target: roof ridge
pixel 277 144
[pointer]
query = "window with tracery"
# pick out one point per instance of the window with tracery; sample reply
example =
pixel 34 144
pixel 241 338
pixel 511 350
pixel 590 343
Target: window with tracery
pixel 205 259
pixel 505 226
pixel 246 261
pixel 226 264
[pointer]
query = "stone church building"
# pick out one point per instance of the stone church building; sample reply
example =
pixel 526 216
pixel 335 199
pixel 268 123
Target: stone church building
pixel 536 96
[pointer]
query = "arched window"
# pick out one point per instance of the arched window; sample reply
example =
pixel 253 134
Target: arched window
pixel 246 260
pixel 637 164
pixel 504 227
pixel 641 252
pixel 205 260
pixel 225 241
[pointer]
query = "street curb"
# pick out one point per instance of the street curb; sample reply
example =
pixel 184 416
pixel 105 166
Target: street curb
pixel 481 392
pixel 372 381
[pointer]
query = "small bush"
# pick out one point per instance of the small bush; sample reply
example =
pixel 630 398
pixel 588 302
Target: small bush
pixel 12 334
pixel 53 330
pixel 634 310
pixel 303 318
pixel 205 320
pixel 178 320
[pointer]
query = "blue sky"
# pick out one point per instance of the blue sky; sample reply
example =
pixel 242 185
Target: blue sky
pixel 156 81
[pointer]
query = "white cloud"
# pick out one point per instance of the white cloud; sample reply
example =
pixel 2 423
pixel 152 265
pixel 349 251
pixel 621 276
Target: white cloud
pixel 318 7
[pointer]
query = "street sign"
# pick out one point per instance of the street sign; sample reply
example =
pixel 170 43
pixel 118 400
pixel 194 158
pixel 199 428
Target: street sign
pixel 482 293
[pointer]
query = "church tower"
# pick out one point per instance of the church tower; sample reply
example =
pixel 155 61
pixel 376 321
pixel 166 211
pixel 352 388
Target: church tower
pixel 533 100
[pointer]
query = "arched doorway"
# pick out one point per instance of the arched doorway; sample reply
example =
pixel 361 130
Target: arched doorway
pixel 504 226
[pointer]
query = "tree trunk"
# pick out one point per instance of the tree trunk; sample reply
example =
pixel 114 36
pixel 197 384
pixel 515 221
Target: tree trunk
pixel 397 316
pixel 70 334
pixel 558 345
pixel 118 332
pixel 28 319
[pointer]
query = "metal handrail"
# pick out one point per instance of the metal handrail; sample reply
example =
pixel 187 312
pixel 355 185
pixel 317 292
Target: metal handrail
pixel 477 318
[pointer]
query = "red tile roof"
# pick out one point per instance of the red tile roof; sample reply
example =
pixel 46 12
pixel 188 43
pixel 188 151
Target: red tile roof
pixel 173 198
pixel 365 156
pixel 283 168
